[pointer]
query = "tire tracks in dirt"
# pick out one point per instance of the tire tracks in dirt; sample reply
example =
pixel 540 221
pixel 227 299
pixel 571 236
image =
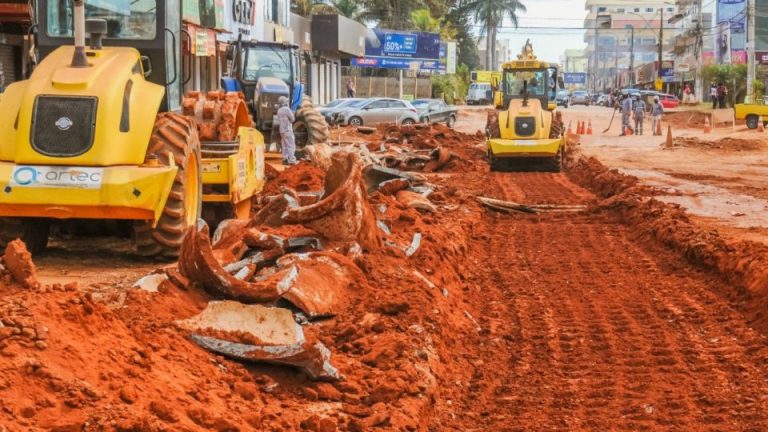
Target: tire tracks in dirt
pixel 585 327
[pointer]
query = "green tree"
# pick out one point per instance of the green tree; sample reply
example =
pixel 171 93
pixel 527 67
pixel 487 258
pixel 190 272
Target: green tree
pixel 391 14
pixel 351 9
pixel 422 20
pixel 733 76
pixel 490 14
pixel 307 8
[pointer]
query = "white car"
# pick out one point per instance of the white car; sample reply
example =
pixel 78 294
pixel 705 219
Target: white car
pixel 378 110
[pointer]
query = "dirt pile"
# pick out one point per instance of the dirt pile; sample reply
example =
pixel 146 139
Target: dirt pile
pixel 686 119
pixel 742 263
pixel 723 144
pixel 120 361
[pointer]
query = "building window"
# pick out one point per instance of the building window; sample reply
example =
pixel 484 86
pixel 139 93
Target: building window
pixel 637 9
pixel 602 9
pixel 670 9
pixel 649 9
pixel 649 41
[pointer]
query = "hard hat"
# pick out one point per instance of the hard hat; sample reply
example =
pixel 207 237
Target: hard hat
pixel 283 101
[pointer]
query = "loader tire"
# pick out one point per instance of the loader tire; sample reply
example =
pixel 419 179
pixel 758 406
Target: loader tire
pixel 555 164
pixel 310 127
pixel 176 134
pixel 32 231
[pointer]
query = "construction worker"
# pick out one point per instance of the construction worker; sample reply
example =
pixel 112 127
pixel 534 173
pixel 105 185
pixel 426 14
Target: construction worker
pixel 656 111
pixel 626 111
pixel 285 119
pixel 639 110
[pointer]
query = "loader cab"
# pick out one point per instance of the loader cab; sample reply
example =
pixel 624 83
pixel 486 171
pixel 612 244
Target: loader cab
pixel 153 27
pixel 540 83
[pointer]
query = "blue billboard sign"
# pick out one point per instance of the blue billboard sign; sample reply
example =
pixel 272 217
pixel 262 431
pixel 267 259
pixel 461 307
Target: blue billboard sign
pixel 400 44
pixel 574 78
pixel 396 63
pixel 733 12
pixel 390 43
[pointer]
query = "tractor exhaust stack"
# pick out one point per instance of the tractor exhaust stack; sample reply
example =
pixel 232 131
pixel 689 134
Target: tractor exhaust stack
pixel 79 59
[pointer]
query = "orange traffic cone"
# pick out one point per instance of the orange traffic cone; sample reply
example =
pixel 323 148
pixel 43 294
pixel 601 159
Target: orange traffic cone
pixel 707 127
pixel 669 143
pixel 589 129
pixel 658 128
pixel 570 131
pixel 581 128
pixel 760 126
pixel 628 131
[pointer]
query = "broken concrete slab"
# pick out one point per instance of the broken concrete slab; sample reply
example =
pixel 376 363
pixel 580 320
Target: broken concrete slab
pixel 151 282
pixel 198 263
pixel 265 325
pixel 415 200
pixel 343 213
pixel 320 282
pixel 376 174
pixel 310 356
pixel 260 334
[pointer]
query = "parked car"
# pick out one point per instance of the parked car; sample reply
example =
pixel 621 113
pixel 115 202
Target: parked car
pixel 603 100
pixel 668 100
pixel 378 110
pixel 479 94
pixel 330 109
pixel 435 111
pixel 562 99
pixel 580 97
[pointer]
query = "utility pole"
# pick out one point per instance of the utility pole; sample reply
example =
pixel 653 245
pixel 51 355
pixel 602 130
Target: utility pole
pixel 699 84
pixel 632 57
pixel 750 50
pixel 661 43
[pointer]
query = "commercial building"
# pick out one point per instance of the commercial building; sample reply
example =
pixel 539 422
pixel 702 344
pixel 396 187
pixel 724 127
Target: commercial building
pixel 621 35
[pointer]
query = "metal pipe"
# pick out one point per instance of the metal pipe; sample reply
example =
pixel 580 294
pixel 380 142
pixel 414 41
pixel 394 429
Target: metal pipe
pixel 79 59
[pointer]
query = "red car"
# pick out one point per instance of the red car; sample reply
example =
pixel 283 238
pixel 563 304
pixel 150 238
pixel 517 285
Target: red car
pixel 668 100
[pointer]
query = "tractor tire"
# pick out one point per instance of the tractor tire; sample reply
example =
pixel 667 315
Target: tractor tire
pixel 176 134
pixel 310 127
pixel 32 231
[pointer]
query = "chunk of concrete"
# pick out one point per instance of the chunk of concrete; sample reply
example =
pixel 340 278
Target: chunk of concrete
pixel 258 333
pixel 151 282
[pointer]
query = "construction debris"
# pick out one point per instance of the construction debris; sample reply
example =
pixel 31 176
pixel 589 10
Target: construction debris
pixel 262 334
pixel 507 206
pixel 343 213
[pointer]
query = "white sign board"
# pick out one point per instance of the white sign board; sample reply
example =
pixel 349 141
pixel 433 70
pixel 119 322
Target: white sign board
pixel 450 61
pixel 243 18
pixel 57 177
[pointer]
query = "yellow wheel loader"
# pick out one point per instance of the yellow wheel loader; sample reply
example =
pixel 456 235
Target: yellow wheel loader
pixel 527 131
pixel 96 132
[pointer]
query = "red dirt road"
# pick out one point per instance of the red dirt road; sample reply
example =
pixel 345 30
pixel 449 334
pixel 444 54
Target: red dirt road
pixel 586 326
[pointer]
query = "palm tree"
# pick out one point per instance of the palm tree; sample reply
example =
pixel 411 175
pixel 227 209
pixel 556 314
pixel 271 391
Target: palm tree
pixel 307 8
pixel 491 15
pixel 351 9
pixel 423 21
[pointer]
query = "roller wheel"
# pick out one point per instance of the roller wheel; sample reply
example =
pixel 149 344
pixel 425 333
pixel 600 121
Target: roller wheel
pixel 310 127
pixel 555 164
pixel 32 231
pixel 176 134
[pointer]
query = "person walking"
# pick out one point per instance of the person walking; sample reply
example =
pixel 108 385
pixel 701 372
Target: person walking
pixel 626 111
pixel 721 92
pixel 639 110
pixel 657 109
pixel 285 120
pixel 687 94
pixel 713 95
pixel 350 88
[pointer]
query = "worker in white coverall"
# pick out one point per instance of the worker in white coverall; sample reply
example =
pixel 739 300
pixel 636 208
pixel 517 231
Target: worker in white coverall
pixel 285 120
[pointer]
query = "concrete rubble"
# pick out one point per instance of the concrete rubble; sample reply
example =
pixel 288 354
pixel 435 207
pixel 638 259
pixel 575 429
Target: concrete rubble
pixel 294 260
pixel 262 334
